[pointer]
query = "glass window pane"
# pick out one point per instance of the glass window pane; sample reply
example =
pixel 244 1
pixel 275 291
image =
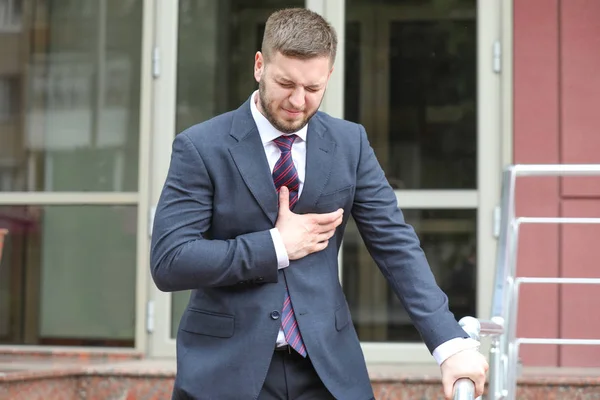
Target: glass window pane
pixel 215 74
pixel 179 301
pixel 448 238
pixel 424 54
pixel 70 97
pixel 216 46
pixel 67 276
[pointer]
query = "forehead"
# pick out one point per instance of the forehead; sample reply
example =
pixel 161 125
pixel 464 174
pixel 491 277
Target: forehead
pixel 309 72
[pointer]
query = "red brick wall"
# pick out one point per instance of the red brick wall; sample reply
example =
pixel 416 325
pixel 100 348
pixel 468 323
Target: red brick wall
pixel 557 120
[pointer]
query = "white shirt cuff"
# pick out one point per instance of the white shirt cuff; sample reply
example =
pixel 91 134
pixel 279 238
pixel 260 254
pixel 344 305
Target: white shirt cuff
pixel 453 346
pixel 282 257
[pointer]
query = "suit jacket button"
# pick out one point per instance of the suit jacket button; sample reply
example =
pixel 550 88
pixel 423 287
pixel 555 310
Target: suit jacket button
pixel 260 279
pixel 275 315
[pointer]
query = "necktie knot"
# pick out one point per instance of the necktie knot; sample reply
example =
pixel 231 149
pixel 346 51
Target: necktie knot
pixel 284 142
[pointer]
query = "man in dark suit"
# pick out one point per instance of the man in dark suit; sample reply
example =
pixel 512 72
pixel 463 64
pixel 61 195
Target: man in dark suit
pixel 251 219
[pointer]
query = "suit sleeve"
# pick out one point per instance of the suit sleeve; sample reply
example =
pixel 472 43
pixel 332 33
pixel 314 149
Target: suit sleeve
pixel 181 256
pixel 396 250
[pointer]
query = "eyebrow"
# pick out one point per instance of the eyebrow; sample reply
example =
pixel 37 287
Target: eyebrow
pixel 286 80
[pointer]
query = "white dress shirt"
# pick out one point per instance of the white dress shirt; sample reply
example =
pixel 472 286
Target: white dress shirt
pixel 268 133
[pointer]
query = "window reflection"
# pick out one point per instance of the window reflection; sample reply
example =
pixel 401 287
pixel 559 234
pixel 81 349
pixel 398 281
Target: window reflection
pixel 67 275
pixel 432 120
pixel 215 58
pixel 411 80
pixel 69 96
pixel 448 238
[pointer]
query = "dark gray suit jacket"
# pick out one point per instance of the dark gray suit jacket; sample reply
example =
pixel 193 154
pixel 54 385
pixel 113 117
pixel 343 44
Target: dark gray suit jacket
pixel 211 235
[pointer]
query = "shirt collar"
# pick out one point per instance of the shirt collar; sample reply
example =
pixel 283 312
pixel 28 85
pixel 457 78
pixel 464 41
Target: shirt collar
pixel 267 132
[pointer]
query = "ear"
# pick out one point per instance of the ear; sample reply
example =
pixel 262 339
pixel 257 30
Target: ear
pixel 259 66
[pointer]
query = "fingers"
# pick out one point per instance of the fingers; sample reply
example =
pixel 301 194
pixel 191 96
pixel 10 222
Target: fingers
pixel 325 235
pixel 321 246
pixel 331 226
pixel 479 378
pixel 448 387
pixel 479 387
pixel 326 219
pixel 284 199
pixel 466 364
pixel 320 227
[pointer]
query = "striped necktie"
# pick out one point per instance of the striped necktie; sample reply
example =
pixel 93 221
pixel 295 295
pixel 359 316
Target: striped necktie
pixel 285 174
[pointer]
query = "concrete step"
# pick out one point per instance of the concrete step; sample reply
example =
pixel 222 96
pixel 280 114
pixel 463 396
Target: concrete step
pixel 81 374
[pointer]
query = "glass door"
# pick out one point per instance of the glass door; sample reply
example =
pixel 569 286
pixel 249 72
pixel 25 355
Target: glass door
pixel 413 79
pixel 418 76
pixel 206 48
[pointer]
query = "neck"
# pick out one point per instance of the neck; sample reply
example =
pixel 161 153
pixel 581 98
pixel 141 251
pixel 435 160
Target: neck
pixel 258 103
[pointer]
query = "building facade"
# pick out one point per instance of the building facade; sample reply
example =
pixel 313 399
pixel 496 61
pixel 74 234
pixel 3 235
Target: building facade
pixel 556 121
pixel 92 93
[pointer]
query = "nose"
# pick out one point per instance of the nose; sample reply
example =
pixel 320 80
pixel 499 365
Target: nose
pixel 297 98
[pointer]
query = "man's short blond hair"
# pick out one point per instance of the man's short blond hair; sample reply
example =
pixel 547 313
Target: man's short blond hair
pixel 299 33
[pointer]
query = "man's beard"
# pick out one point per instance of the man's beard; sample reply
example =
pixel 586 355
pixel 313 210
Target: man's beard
pixel 270 116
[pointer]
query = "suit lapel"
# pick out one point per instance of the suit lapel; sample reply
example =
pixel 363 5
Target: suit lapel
pixel 320 155
pixel 250 159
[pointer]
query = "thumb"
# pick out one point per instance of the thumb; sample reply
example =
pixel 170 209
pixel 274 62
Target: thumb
pixel 284 200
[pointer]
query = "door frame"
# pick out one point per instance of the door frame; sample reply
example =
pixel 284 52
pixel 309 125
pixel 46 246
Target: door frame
pixel 163 67
pixel 493 126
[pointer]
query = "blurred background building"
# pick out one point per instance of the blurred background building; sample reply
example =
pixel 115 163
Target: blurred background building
pixel 92 93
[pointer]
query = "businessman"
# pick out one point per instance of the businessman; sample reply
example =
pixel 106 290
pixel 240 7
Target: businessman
pixel 251 218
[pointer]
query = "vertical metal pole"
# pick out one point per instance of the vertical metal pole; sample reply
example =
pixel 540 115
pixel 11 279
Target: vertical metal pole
pixel 502 297
pixel 513 347
pixel 509 274
pixel 464 389
pixel 496 378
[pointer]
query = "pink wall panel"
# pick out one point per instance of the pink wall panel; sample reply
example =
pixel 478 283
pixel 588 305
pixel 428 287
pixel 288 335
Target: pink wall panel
pixel 579 304
pixel 580 90
pixel 536 140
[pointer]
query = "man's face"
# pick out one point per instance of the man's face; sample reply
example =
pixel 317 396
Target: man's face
pixel 290 89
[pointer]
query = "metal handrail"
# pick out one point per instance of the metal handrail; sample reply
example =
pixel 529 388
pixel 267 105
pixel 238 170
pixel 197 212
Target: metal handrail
pixel 464 389
pixel 506 243
pixel 505 347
